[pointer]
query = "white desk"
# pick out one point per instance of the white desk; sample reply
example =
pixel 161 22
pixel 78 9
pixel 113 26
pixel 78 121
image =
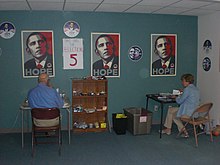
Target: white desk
pixel 28 109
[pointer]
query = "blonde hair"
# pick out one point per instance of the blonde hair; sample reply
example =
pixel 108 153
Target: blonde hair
pixel 188 78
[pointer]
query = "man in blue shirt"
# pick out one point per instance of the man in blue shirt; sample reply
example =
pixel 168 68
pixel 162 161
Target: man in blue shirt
pixel 44 96
pixel 188 101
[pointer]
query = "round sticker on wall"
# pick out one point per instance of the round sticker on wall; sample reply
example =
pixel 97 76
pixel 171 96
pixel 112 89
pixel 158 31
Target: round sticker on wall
pixel 71 28
pixel 206 64
pixel 7 30
pixel 135 53
pixel 207 46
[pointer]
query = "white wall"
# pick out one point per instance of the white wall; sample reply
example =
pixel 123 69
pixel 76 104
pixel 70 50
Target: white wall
pixel 209 81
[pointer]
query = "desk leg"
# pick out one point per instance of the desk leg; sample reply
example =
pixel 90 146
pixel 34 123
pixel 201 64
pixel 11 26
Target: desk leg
pixel 22 128
pixel 147 103
pixel 68 124
pixel 161 120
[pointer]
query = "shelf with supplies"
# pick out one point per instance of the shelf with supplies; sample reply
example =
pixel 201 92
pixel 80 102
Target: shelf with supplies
pixel 90 104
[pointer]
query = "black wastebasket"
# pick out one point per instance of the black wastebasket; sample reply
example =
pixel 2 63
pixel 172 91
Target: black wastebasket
pixel 119 124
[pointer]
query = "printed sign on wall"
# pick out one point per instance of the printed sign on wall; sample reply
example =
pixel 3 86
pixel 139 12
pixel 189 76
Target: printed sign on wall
pixel 206 64
pixel 7 30
pixel 72 53
pixel 37 53
pixel 207 46
pixel 105 54
pixel 71 28
pixel 135 53
pixel 163 54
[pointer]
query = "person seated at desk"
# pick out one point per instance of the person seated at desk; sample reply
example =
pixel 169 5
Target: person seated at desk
pixel 188 101
pixel 44 96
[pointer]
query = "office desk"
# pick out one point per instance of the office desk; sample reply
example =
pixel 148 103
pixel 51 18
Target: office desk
pixel 28 109
pixel 162 101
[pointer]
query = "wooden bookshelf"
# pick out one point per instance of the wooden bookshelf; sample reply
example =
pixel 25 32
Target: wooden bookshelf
pixel 89 105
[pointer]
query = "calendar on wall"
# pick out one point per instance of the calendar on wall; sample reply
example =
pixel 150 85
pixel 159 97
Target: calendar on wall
pixel 72 53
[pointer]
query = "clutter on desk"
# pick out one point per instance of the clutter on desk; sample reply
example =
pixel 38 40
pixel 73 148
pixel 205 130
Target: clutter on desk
pixel 177 92
pixel 63 96
pixel 25 103
pixel 165 96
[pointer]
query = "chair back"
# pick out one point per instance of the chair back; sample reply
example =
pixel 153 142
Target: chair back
pixel 45 113
pixel 199 117
pixel 203 110
pixel 45 121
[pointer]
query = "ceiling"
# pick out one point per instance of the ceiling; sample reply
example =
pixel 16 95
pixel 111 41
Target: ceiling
pixel 177 7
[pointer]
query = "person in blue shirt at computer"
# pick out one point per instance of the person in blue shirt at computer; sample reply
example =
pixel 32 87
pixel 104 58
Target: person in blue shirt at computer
pixel 44 96
pixel 188 101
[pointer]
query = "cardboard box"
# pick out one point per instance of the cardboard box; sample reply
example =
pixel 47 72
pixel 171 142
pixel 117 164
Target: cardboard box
pixel 139 120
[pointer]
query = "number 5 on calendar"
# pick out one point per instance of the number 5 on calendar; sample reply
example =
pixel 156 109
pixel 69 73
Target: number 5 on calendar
pixel 72 53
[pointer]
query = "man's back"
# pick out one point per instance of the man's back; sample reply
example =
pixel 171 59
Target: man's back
pixel 43 96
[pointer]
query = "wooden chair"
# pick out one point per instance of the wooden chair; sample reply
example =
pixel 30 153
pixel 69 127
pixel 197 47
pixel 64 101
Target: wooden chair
pixel 203 118
pixel 41 133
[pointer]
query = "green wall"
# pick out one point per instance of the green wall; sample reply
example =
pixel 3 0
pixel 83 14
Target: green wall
pixel 134 82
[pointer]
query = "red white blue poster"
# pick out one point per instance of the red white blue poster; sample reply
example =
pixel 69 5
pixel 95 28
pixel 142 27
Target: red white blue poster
pixel 105 54
pixel 163 54
pixel 37 53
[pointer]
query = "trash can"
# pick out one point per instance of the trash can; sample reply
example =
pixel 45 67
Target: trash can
pixel 119 122
pixel 139 120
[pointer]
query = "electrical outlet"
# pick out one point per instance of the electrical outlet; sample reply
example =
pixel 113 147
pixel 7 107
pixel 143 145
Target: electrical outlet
pixel 155 108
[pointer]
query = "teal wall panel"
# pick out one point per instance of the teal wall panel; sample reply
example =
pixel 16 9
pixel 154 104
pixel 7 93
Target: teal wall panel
pixel 134 82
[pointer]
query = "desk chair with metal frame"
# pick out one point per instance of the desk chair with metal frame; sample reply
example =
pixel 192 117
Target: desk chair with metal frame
pixel 46 131
pixel 203 118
